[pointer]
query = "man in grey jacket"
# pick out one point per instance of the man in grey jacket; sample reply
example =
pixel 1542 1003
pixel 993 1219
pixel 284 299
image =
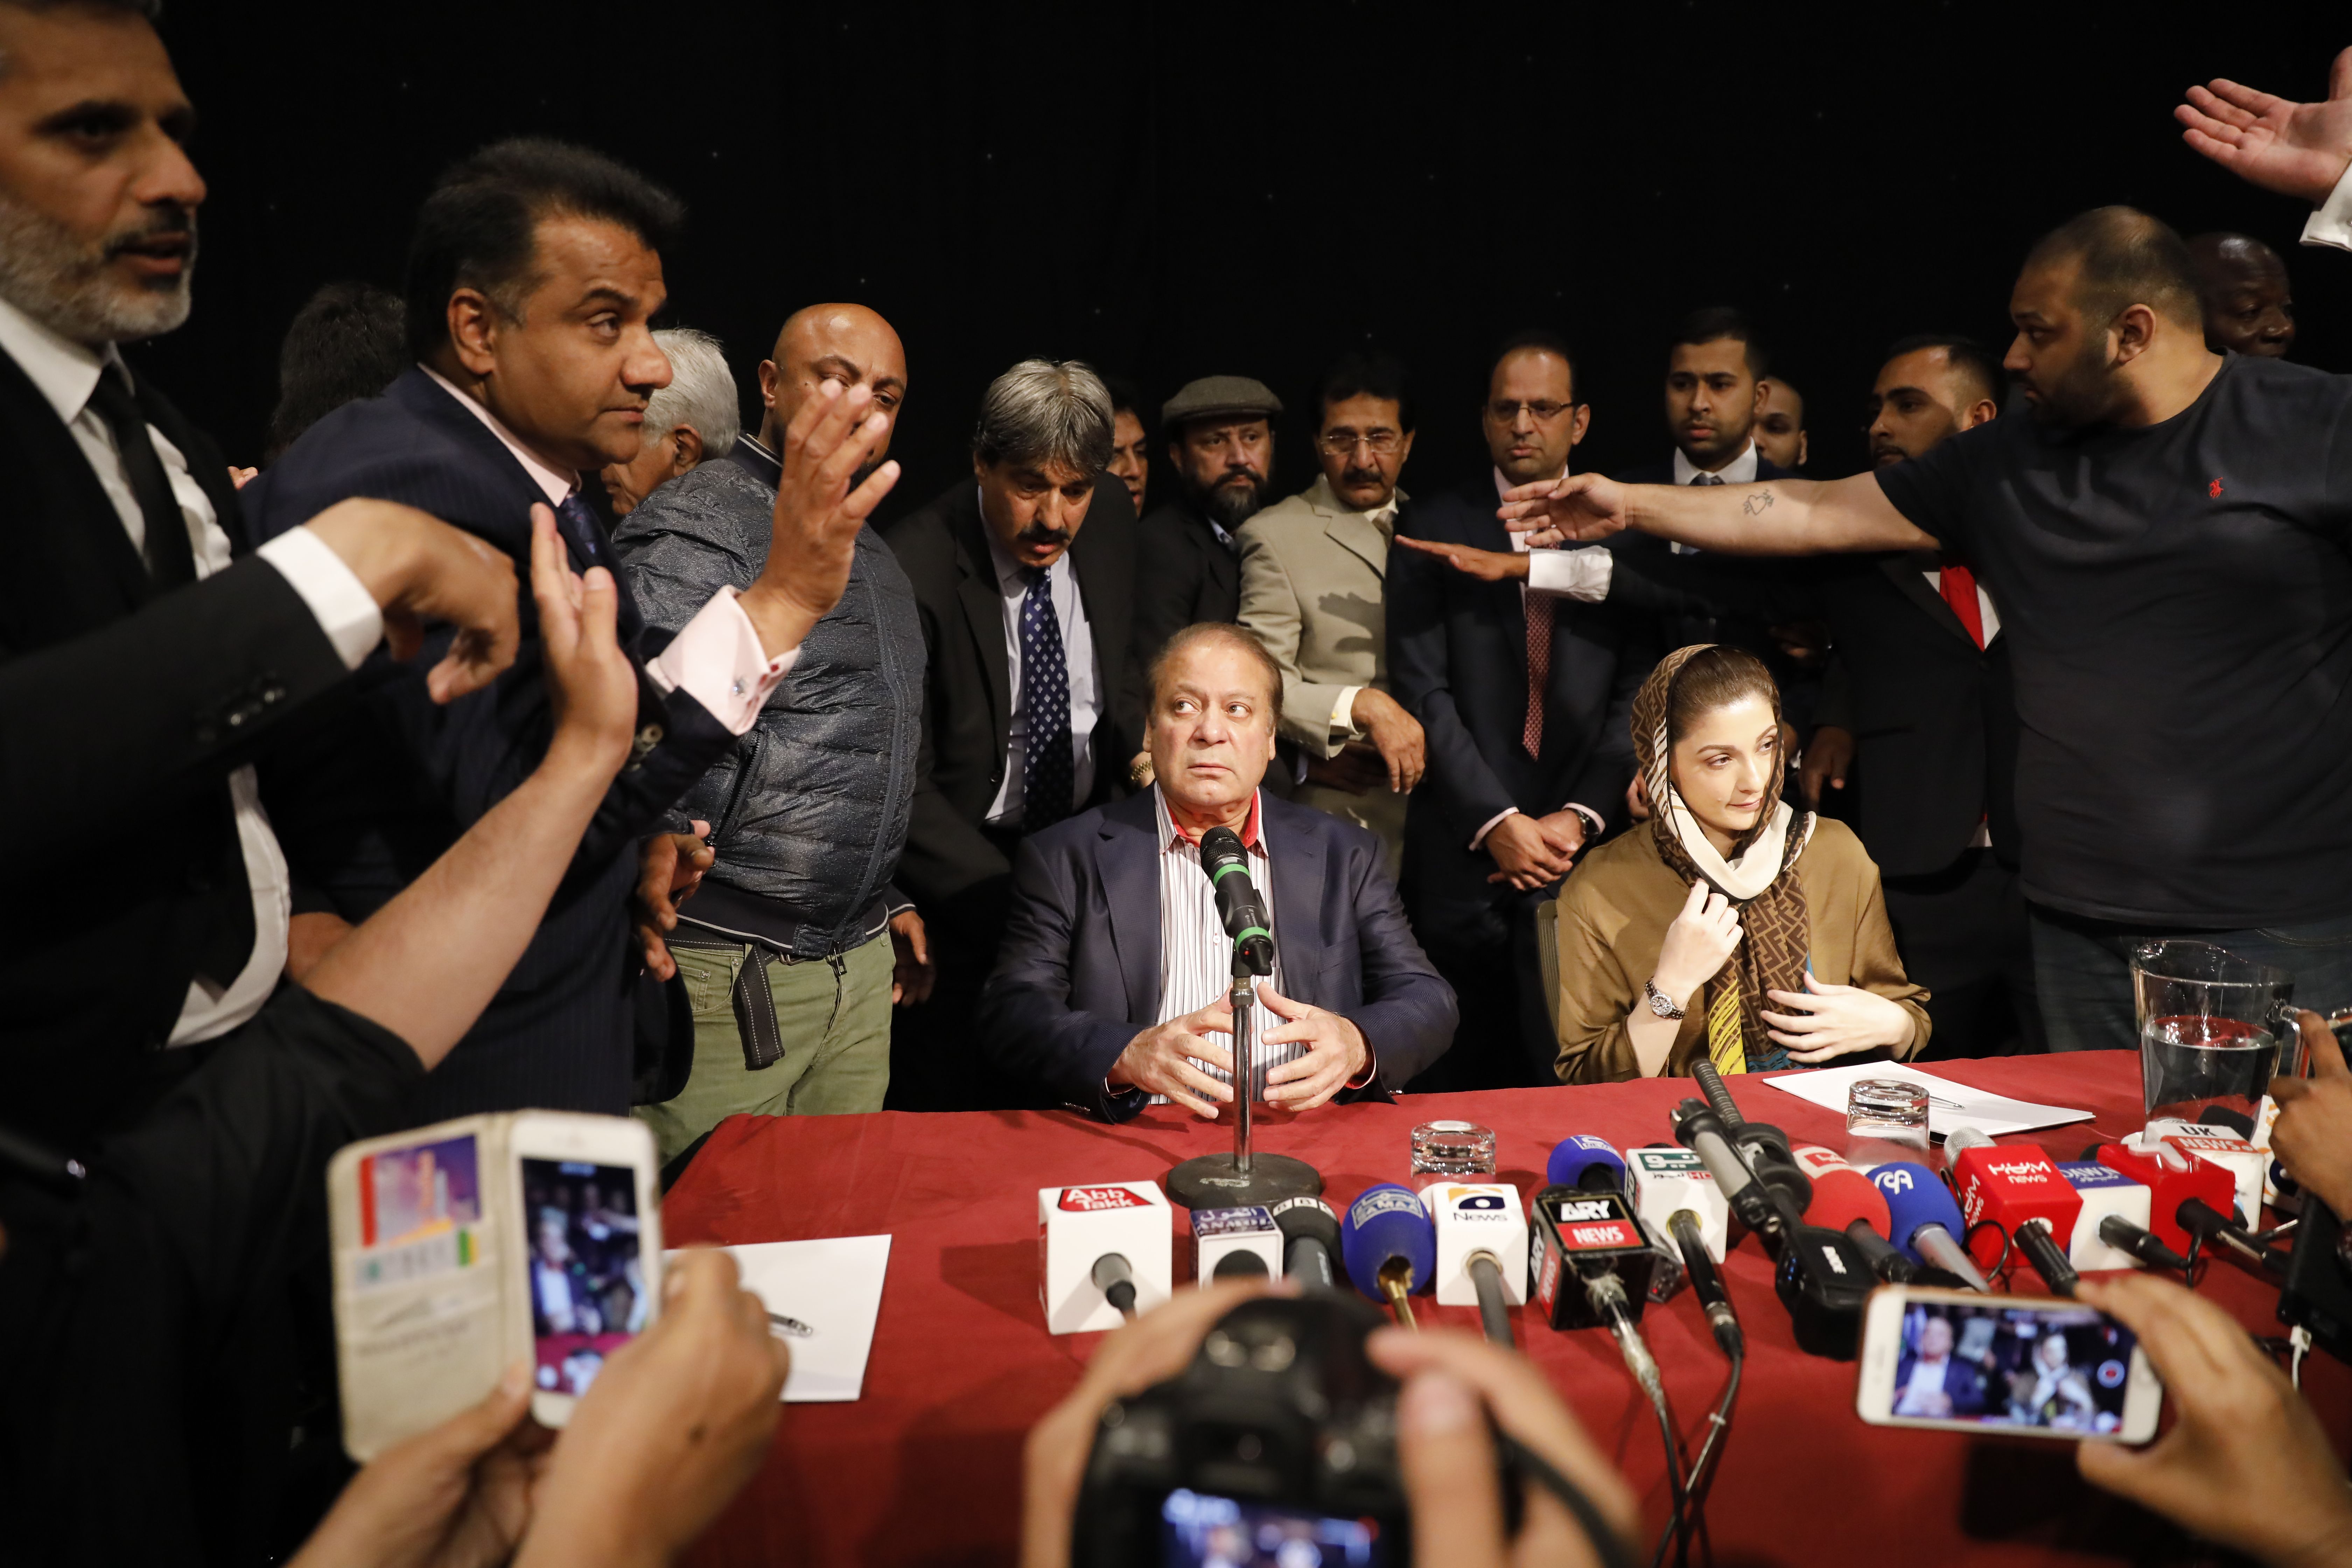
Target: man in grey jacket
pixel 781 947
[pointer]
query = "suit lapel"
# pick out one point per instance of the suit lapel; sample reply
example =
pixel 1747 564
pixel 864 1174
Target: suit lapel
pixel 426 398
pixel 1909 573
pixel 74 565
pixel 1131 874
pixel 1361 537
pixel 1298 900
pixel 983 610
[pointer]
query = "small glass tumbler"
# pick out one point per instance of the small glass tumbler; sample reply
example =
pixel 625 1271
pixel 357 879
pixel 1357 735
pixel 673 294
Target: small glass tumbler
pixel 1890 1110
pixel 1452 1149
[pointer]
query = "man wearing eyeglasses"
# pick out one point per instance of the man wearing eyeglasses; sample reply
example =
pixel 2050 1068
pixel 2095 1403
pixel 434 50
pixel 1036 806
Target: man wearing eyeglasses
pixel 1313 591
pixel 1524 696
pixel 1220 432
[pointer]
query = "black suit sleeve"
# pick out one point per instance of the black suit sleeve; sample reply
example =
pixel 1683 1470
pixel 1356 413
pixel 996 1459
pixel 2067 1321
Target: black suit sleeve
pixel 1600 786
pixel 93 724
pixel 1408 1013
pixel 1166 585
pixel 1460 786
pixel 1027 1024
pixel 1767 589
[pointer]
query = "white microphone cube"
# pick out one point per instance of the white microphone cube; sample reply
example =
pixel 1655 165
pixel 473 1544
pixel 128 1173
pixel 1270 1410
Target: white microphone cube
pixel 1471 1218
pixel 1665 1180
pixel 1076 1226
pixel 2219 1146
pixel 1218 1234
pixel 2104 1191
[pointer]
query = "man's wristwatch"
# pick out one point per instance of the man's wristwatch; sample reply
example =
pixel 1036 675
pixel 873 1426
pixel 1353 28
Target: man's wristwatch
pixel 1659 1002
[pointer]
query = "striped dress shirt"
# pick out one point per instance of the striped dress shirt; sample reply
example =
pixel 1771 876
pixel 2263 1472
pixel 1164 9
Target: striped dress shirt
pixel 1196 957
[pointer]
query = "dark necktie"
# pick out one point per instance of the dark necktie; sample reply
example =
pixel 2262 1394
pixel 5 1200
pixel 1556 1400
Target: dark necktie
pixel 579 525
pixel 171 560
pixel 1707 478
pixel 1047 769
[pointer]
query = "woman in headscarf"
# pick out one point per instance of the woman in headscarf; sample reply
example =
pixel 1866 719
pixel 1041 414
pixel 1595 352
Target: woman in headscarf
pixel 1728 925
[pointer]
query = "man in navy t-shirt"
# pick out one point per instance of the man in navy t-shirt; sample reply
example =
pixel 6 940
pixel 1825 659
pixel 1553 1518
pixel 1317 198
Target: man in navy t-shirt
pixel 2169 540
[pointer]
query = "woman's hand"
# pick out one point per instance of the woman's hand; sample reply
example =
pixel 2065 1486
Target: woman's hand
pixel 1842 1020
pixel 1702 938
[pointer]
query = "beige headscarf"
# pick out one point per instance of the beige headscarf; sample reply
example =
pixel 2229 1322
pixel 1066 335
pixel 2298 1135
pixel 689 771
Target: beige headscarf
pixel 1760 877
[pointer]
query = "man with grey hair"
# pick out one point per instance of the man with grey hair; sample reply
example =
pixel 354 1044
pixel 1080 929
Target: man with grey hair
pixel 781 946
pixel 1024 579
pixel 694 418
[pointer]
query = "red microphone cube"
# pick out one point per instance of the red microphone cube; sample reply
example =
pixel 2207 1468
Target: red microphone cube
pixel 2170 1188
pixel 2011 1184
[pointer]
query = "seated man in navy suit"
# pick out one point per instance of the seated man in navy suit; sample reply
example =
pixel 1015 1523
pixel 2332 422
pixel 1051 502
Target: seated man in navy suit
pixel 1933 1381
pixel 1111 984
pixel 533 274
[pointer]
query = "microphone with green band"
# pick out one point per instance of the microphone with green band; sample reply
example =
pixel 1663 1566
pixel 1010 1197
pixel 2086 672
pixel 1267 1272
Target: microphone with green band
pixel 1225 860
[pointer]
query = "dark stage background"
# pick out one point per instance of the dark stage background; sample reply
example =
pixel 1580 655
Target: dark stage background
pixel 1170 191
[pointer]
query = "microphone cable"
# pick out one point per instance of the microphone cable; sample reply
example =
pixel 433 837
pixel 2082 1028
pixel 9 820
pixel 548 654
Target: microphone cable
pixel 1706 1284
pixel 1607 1294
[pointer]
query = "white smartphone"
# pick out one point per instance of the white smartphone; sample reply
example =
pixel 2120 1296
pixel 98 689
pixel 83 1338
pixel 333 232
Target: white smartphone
pixel 2034 1367
pixel 590 1188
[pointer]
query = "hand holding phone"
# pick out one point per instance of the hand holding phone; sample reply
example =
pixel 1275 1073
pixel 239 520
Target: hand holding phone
pixel 1959 1361
pixel 2246 1463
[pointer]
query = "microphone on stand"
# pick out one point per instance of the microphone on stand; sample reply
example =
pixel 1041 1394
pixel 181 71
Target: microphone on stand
pixel 1226 861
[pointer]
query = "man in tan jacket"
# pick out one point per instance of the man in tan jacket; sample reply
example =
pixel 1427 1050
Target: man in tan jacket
pixel 1314 590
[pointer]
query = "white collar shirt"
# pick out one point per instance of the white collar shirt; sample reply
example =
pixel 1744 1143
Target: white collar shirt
pixel 1196 957
pixel 1740 470
pixel 558 486
pixel 1078 659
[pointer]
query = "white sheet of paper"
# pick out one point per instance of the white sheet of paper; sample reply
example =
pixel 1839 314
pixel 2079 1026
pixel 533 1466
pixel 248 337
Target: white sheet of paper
pixel 835 1287
pixel 1949 1104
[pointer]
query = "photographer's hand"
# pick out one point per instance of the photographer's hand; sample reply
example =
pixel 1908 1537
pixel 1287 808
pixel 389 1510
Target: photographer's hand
pixel 1448 1456
pixel 1152 1349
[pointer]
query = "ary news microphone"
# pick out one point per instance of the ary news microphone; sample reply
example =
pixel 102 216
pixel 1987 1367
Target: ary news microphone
pixel 2021 1190
pixel 1706 1283
pixel 1586 1162
pixel 1310 1234
pixel 1925 1221
pixel 1226 861
pixel 1846 1201
pixel 1760 1209
pixel 1389 1246
pixel 2172 1179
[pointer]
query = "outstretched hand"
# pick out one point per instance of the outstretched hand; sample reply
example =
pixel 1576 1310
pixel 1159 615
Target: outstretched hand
pixel 1570 508
pixel 590 685
pixel 2312 1135
pixel 2298 150
pixel 817 513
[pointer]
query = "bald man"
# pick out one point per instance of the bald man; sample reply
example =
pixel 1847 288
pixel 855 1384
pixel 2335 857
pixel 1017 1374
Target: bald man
pixel 781 947
pixel 2242 284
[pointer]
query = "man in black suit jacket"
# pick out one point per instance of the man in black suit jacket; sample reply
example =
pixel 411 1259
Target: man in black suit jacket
pixel 1116 966
pixel 534 271
pixel 1220 433
pixel 1528 750
pixel 1025 578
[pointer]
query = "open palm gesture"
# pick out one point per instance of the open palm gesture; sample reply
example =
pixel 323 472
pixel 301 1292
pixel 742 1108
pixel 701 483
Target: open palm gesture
pixel 2295 149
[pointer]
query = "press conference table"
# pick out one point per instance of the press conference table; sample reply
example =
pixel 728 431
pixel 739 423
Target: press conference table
pixel 925 1468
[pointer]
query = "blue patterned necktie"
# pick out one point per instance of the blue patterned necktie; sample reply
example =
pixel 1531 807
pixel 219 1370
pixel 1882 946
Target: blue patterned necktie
pixel 579 526
pixel 1047 769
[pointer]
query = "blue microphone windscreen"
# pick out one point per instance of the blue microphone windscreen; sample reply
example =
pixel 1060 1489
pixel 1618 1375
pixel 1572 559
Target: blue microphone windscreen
pixel 1915 1196
pixel 1575 1157
pixel 1387 1221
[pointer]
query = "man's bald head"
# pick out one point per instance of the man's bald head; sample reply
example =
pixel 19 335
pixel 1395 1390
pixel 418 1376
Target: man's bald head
pixel 2241 283
pixel 839 342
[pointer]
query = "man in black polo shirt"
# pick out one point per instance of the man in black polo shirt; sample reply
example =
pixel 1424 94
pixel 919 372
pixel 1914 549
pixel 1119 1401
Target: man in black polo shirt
pixel 2167 539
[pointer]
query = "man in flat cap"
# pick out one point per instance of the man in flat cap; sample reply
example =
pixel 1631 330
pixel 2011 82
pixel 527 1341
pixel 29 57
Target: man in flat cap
pixel 1220 433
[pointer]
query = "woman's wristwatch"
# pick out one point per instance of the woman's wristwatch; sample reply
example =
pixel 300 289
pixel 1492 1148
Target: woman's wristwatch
pixel 1660 1003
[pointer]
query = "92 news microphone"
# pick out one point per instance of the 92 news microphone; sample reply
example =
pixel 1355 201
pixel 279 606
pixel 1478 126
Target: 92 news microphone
pixel 1668 1182
pixel 1925 1221
pixel 1226 861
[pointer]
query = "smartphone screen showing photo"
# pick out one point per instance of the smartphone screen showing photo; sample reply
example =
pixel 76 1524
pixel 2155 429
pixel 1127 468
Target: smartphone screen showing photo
pixel 2058 1369
pixel 1198 1531
pixel 588 1291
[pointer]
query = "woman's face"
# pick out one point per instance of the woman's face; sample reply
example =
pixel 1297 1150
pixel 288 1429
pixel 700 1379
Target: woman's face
pixel 1724 764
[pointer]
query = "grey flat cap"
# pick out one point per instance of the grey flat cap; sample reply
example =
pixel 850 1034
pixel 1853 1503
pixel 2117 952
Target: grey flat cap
pixel 1215 396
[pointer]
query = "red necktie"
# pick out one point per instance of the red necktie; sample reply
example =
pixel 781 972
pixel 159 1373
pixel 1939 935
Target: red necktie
pixel 1539 611
pixel 1959 586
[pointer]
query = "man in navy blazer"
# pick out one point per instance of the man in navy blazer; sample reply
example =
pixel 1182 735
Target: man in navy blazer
pixel 534 269
pixel 1111 985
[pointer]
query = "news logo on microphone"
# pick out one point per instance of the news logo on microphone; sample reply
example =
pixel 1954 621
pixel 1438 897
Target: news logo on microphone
pixel 1576 1235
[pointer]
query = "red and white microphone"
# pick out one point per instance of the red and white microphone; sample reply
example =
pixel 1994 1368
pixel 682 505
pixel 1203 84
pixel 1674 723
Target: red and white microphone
pixel 1847 1202
pixel 2020 1188
pixel 2172 1178
pixel 1106 1253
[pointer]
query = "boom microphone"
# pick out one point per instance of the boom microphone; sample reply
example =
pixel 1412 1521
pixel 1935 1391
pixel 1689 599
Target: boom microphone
pixel 1310 1234
pixel 1759 1208
pixel 1765 1146
pixel 1389 1246
pixel 1226 861
pixel 1925 1221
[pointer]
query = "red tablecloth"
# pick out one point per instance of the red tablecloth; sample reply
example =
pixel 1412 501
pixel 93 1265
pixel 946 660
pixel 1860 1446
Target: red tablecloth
pixel 925 1467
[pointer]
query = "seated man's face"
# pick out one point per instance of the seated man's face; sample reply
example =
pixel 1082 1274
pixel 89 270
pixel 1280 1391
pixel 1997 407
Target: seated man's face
pixel 1212 730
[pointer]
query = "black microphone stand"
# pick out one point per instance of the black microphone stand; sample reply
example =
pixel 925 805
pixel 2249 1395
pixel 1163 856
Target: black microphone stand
pixel 1244 1176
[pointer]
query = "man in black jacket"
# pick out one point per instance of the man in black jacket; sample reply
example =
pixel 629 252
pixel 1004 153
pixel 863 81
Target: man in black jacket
pixel 783 948
pixel 1025 578
pixel 1524 696
pixel 1220 432
pixel 533 273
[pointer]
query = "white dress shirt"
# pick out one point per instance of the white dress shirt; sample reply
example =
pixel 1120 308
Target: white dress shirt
pixel 716 658
pixel 2330 223
pixel 1196 956
pixel 66 373
pixel 1927 1380
pixel 1078 659
pixel 1740 470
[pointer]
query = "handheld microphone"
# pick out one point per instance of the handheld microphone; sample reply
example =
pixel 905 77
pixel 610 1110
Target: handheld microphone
pixel 2107 1194
pixel 2141 1244
pixel 2039 1243
pixel 1925 1221
pixel 1476 1221
pixel 1846 1201
pixel 1311 1233
pixel 1766 1146
pixel 2220 1146
pixel 1586 1162
pixel 1706 1283
pixel 2015 1186
pixel 1108 1254
pixel 2171 1178
pixel 1670 1181
pixel 1580 1237
pixel 1390 1246
pixel 2209 1224
pixel 1226 861
pixel 1761 1209
pixel 1113 1277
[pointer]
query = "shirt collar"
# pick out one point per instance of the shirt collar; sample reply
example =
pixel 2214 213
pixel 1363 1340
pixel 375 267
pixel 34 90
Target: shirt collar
pixel 1171 834
pixel 560 487
pixel 1740 470
pixel 1321 496
pixel 64 371
pixel 755 454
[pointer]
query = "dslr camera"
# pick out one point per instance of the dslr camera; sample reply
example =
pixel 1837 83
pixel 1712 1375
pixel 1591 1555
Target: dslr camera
pixel 1276 1444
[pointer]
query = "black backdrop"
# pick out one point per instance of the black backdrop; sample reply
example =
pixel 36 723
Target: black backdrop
pixel 1170 191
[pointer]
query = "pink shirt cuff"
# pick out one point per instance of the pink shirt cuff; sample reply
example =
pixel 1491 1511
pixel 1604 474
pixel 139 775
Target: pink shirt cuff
pixel 717 660
pixel 1479 837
